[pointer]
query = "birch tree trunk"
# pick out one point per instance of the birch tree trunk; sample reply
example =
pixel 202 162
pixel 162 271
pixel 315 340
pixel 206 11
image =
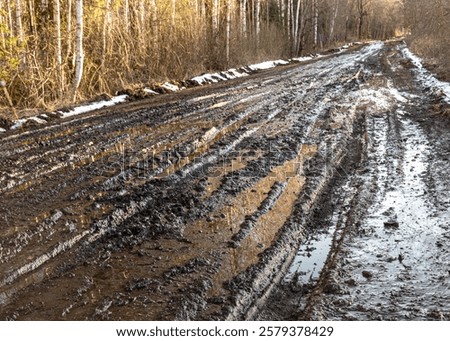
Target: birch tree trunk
pixel 333 21
pixel 228 32
pixel 79 53
pixel 315 23
pixel 10 17
pixel 258 20
pixel 243 17
pixel 300 25
pixel 19 27
pixel 297 25
pixel 215 17
pixel 32 17
pixel 282 6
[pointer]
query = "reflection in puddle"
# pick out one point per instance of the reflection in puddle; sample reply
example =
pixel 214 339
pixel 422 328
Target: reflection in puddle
pixel 310 259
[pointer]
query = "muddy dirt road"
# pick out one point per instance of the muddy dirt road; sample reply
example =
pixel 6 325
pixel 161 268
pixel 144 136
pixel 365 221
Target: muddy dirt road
pixel 314 191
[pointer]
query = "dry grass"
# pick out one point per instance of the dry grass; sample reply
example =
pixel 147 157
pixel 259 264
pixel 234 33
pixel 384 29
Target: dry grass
pixel 435 53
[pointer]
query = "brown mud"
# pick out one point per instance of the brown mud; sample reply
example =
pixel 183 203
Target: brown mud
pixel 208 204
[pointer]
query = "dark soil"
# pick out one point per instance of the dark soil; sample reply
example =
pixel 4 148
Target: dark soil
pixel 206 204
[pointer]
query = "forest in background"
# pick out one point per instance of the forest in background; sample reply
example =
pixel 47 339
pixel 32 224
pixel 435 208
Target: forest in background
pixel 54 52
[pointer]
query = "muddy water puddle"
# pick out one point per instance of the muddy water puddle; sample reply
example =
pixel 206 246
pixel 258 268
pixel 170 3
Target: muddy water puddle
pixel 310 259
pixel 398 265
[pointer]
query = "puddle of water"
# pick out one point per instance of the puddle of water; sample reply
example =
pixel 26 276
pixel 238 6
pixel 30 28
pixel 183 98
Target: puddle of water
pixel 310 259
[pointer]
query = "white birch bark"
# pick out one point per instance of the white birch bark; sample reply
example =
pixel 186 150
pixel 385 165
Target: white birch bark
pixel 228 31
pixel 243 17
pixel 19 27
pixel 315 22
pixel 258 19
pixel 10 18
pixel 32 16
pixel 215 17
pixel 333 21
pixel 79 52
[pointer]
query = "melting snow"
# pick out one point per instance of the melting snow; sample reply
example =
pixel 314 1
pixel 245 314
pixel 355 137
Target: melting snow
pixel 38 120
pixel 302 59
pixel 235 73
pixel 425 77
pixel 77 111
pixel 209 78
pixel 94 106
pixel 205 79
pixel 170 87
pixel 18 123
pixel 267 65
pixel 151 92
pixel 383 98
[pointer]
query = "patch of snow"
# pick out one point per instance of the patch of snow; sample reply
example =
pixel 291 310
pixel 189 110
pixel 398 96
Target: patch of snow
pixel 170 87
pixel 302 59
pixel 218 75
pixel 267 65
pixel 207 78
pixel 17 124
pixel 37 120
pixel 236 73
pixel 94 106
pixel 426 78
pixel 395 93
pixel 149 91
pixel 2 130
pixel 383 99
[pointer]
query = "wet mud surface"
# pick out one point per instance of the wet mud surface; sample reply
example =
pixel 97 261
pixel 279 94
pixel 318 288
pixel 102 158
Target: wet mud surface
pixel 315 191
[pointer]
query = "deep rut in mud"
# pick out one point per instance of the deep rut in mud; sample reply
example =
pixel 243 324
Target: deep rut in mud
pixel 257 198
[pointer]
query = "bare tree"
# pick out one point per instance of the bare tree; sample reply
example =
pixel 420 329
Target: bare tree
pixel 228 31
pixel 361 8
pixel 19 27
pixel 79 52
pixel 243 17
